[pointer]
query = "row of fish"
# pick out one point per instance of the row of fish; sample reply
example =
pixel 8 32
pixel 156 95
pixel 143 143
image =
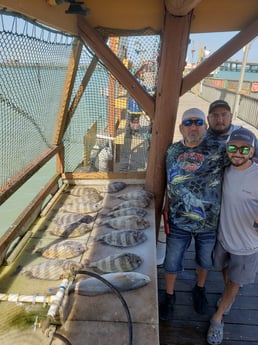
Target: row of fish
pixel 126 218
pixel 55 269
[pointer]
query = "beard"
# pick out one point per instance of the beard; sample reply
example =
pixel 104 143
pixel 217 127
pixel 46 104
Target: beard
pixel 220 131
pixel 239 163
pixel 194 138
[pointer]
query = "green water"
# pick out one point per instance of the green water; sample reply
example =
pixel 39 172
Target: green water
pixel 11 209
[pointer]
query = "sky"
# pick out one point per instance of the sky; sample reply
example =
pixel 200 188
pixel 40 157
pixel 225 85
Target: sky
pixel 213 41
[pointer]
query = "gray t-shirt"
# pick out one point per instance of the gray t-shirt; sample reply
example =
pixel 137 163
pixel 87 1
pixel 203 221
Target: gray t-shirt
pixel 239 209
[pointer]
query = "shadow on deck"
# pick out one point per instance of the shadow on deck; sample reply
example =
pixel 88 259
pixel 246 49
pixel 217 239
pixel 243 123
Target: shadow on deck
pixel 190 328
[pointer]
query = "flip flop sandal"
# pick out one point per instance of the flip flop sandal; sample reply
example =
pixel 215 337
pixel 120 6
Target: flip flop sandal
pixel 215 333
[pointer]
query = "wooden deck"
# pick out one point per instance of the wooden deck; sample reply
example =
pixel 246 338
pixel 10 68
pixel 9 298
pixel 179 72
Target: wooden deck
pixel 190 328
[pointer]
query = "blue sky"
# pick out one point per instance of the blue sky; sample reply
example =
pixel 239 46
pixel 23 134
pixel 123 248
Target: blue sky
pixel 213 41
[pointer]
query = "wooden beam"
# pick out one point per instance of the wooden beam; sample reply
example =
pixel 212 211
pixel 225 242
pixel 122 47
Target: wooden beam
pixel 81 90
pixel 221 55
pixel 173 53
pixel 62 120
pixel 95 41
pixel 72 176
pixel 27 217
pixel 18 180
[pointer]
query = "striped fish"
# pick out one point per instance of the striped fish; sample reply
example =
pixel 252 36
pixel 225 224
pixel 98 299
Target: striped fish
pixel 62 250
pixel 132 203
pixel 67 218
pixel 83 191
pixel 116 263
pixel 82 207
pixel 136 194
pixel 53 269
pixel 113 187
pixel 84 198
pixel 123 238
pixel 69 231
pixel 122 281
pixel 138 211
pixel 127 222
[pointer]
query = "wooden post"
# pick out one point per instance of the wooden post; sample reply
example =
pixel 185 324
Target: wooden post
pixel 174 46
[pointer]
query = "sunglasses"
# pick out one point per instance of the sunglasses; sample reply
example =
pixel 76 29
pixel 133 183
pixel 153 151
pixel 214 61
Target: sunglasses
pixel 243 150
pixel 188 123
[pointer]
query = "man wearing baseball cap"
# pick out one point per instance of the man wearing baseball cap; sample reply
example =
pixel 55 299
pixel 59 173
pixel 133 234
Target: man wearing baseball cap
pixel 220 123
pixel 236 251
pixel 194 169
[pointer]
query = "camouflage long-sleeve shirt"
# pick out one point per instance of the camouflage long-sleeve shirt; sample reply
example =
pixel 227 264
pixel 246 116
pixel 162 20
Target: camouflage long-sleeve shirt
pixel 194 180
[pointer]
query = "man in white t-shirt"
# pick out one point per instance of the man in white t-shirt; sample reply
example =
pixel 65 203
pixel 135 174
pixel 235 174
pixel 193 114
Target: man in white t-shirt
pixel 236 251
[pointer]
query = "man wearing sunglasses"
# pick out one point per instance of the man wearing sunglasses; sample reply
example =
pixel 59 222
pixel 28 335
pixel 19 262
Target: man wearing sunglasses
pixel 194 169
pixel 236 251
pixel 220 123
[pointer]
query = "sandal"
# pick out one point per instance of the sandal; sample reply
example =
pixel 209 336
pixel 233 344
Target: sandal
pixel 215 333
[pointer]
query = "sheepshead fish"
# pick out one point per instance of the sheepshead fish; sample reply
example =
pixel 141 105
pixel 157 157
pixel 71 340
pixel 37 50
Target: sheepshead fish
pixel 132 203
pixel 94 197
pixel 53 269
pixel 123 281
pixel 62 250
pixel 136 194
pixel 123 238
pixel 72 230
pixel 67 218
pixel 113 187
pixel 127 222
pixel 82 207
pixel 116 263
pixel 82 199
pixel 137 211
pixel 83 191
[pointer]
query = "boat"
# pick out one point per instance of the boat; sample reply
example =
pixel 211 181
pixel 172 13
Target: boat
pixel 69 68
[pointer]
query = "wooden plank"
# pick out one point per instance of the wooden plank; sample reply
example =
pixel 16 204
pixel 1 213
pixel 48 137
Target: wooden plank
pixel 92 38
pixel 27 217
pixel 18 180
pixel 62 118
pixel 174 46
pixel 89 140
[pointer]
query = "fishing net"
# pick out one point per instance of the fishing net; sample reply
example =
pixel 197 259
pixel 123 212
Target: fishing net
pixel 104 127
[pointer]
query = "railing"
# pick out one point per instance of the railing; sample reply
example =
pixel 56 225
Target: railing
pixel 248 106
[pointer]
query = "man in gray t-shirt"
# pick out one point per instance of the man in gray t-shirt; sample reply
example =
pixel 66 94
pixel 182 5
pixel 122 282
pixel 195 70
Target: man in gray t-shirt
pixel 236 251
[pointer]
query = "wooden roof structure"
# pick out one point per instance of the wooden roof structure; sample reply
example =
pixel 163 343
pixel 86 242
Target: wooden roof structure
pixel 175 20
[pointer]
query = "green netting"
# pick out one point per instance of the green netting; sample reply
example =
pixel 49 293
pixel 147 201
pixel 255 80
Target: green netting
pixel 34 63
pixel 106 102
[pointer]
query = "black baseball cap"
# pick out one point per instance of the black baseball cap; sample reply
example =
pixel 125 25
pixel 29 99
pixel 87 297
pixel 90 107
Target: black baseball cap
pixel 219 103
pixel 243 134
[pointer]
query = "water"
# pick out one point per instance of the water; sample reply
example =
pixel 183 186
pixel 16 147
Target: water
pixel 230 75
pixel 11 209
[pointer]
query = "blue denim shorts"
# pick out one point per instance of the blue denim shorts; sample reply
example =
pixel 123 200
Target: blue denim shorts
pixel 178 241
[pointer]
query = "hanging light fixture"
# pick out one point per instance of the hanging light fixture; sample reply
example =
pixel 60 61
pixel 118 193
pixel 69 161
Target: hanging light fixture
pixel 77 8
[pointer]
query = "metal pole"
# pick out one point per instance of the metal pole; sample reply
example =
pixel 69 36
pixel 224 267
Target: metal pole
pixel 241 78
